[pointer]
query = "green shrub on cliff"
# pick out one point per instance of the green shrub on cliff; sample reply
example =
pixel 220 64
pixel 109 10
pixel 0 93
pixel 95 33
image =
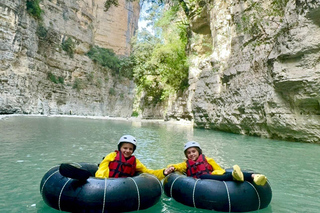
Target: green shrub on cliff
pixel 78 84
pixel 53 78
pixel 68 46
pixel 112 92
pixel 109 3
pixel 104 57
pixel 107 58
pixel 41 31
pixel 134 114
pixel 33 8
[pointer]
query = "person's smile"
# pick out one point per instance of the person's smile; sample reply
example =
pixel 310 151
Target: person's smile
pixel 126 149
pixel 192 154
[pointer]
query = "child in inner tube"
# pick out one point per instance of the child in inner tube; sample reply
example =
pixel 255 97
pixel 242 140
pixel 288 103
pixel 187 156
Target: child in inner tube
pixel 199 166
pixel 120 163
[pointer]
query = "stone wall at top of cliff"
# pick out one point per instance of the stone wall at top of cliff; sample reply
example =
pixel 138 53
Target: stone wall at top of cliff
pixel 116 27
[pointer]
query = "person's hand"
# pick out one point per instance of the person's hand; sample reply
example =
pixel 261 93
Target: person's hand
pixel 168 170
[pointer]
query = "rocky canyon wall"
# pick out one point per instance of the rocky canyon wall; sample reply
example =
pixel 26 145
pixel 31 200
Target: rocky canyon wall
pixel 255 65
pixel 37 76
pixel 262 77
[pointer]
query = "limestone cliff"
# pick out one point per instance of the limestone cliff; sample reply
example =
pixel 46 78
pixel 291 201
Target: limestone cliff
pixel 262 76
pixel 255 65
pixel 38 77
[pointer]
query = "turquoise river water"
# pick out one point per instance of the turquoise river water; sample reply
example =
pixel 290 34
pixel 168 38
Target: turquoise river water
pixel 32 145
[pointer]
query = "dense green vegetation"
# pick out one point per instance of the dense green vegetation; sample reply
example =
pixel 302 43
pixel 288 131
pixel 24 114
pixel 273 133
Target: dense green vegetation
pixel 122 66
pixel 33 8
pixel 135 114
pixel 160 59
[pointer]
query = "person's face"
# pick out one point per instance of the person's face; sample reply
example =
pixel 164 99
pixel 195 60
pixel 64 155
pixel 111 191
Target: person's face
pixel 192 153
pixel 126 149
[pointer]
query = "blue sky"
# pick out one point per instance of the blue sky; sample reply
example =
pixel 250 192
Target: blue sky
pixel 142 22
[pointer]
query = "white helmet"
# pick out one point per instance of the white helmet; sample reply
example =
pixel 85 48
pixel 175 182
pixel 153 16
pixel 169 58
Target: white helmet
pixel 128 139
pixel 191 144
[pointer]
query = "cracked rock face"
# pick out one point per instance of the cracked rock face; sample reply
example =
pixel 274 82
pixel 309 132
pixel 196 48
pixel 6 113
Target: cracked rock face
pixel 263 75
pixel 37 76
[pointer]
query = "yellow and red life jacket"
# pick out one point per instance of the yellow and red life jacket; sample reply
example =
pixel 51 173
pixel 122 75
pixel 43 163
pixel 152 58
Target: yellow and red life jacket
pixel 199 167
pixel 122 167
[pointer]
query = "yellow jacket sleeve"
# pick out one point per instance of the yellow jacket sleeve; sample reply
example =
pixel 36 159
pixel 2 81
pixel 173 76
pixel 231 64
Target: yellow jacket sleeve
pixel 180 167
pixel 103 170
pixel 217 170
pixel 142 168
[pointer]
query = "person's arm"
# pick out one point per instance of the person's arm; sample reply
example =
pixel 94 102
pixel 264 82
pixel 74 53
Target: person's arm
pixel 103 170
pixel 217 170
pixel 179 167
pixel 159 173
